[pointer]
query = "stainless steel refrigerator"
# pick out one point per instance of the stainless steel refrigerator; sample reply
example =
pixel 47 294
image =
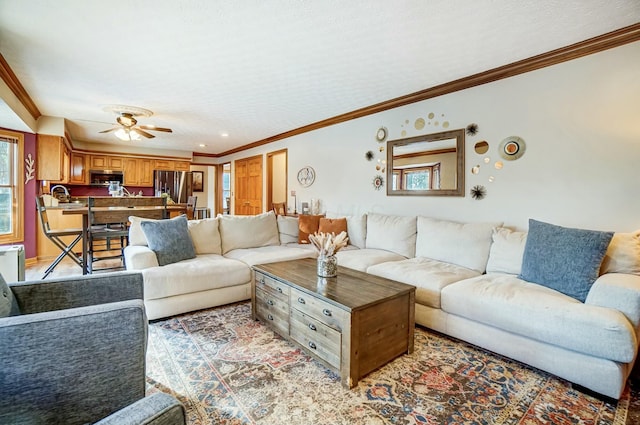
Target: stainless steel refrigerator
pixel 178 184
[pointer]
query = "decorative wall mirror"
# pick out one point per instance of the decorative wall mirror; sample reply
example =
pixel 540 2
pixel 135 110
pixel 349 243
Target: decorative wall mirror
pixel 429 165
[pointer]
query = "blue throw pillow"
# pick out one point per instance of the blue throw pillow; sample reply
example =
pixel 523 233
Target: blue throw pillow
pixel 8 303
pixel 567 260
pixel 169 239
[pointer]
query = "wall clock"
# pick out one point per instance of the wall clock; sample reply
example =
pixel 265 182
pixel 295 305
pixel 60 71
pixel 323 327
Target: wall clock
pixel 306 176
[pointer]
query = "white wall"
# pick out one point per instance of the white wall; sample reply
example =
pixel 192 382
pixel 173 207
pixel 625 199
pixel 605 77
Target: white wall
pixel 581 124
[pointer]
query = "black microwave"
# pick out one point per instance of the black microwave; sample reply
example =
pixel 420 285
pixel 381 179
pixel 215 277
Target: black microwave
pixel 103 177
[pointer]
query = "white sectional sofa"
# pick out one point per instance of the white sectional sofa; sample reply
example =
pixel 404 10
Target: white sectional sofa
pixel 467 277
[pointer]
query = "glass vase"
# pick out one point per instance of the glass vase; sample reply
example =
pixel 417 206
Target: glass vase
pixel 327 266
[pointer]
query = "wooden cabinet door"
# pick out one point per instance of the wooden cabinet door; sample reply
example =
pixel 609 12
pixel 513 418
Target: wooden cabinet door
pixel 131 177
pixel 78 170
pixel 50 151
pixel 115 163
pixel 145 172
pixel 248 186
pixel 98 162
pixel 182 165
pixel 163 164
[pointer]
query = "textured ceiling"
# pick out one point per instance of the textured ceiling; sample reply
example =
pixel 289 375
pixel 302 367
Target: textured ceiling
pixel 254 68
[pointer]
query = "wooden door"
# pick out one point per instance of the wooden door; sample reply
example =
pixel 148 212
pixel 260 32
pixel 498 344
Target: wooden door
pixel 248 186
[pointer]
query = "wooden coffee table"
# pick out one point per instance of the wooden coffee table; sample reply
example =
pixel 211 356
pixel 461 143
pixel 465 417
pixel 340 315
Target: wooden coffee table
pixel 353 323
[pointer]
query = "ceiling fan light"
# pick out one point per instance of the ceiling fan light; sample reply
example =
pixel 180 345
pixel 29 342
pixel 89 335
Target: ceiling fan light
pixel 127 135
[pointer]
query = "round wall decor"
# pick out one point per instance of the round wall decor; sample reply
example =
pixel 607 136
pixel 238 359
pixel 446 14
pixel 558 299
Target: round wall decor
pixel 381 134
pixel 512 148
pixel 306 176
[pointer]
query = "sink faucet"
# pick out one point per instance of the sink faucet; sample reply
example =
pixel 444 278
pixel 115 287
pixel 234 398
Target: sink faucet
pixel 59 186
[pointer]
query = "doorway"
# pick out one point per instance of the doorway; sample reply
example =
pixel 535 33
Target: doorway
pixel 223 188
pixel 277 178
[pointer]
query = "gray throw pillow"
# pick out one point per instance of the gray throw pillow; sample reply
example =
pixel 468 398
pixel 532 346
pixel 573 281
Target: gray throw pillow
pixel 169 239
pixel 565 259
pixel 8 303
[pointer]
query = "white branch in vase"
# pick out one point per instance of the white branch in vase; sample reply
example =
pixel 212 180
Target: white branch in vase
pixel 328 244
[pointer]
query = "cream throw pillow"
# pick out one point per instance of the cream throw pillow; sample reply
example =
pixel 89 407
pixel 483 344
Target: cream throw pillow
pixel 506 252
pixel 356 228
pixel 205 236
pixel 239 231
pixel 288 229
pixel 623 254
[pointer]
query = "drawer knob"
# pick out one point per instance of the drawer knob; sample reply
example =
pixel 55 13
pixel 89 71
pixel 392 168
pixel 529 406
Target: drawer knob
pixel 326 312
pixel 301 300
pixel 270 317
pixel 262 280
pixel 270 302
pixel 312 326
pixel 312 345
pixel 280 289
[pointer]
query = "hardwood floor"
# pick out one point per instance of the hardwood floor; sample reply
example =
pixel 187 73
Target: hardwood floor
pixel 65 268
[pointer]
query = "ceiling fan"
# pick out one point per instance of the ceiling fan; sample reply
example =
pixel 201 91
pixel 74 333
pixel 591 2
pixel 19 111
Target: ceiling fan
pixel 127 128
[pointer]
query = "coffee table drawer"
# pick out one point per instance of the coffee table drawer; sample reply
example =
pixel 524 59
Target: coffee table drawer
pixel 318 338
pixel 273 310
pixel 272 286
pixel 319 310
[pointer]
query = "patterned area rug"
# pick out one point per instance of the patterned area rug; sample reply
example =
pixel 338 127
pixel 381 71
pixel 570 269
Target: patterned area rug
pixel 228 369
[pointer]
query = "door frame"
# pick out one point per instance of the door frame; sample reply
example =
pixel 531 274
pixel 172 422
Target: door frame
pixel 270 156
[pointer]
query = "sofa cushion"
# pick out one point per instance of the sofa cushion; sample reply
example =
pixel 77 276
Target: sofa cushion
pixel 506 251
pixel 136 235
pixel 464 244
pixel 362 259
pixel 623 254
pixel 240 231
pixel 8 303
pixel 535 311
pixel 287 229
pixel 565 259
pixel 270 254
pixel 202 273
pixel 307 225
pixel 392 233
pixel 428 276
pixel 205 236
pixel 169 239
pixel 356 228
pixel 333 225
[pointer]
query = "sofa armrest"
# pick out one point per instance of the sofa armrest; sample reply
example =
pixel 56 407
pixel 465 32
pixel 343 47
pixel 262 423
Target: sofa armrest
pixel 72 292
pixel 72 366
pixel 138 257
pixel 620 292
pixel 156 409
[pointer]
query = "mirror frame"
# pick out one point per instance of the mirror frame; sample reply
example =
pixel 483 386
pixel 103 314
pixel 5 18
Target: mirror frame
pixel 452 134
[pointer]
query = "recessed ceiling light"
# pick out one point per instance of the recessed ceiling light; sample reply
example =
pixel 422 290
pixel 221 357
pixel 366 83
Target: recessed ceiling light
pixel 224 134
pixel 202 145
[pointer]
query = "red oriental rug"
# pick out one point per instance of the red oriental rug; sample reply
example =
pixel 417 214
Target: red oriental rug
pixel 228 369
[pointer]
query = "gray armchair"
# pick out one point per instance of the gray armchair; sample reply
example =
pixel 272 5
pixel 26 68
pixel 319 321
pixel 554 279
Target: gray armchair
pixel 73 352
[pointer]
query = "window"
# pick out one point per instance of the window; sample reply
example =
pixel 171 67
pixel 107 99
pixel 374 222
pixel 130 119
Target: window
pixel 417 178
pixel 226 187
pixel 11 187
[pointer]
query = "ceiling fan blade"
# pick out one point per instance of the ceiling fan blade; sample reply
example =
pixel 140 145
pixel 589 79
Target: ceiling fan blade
pixel 143 133
pixel 109 130
pixel 154 128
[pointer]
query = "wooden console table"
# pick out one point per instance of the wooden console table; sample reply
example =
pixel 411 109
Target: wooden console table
pixel 354 323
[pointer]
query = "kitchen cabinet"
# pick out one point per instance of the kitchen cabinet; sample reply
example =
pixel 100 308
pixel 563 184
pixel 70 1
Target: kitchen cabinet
pixel 78 169
pixel 182 166
pixel 138 172
pixel 54 158
pixel 163 164
pixel 106 162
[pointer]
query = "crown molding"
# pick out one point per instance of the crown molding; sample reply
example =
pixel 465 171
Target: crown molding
pixel 590 46
pixel 7 75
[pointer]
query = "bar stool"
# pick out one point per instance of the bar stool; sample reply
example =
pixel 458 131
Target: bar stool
pixel 55 236
pixel 191 207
